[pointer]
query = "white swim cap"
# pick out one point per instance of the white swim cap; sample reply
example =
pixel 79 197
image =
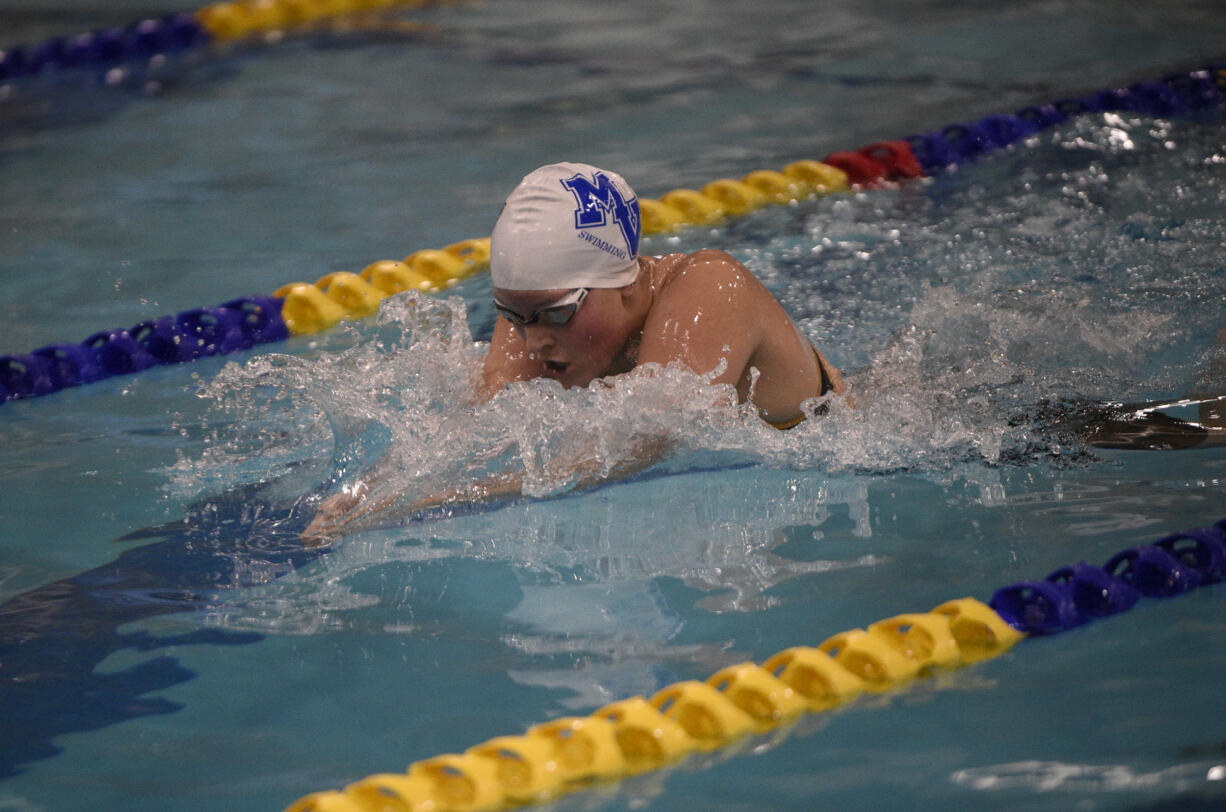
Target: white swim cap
pixel 567 225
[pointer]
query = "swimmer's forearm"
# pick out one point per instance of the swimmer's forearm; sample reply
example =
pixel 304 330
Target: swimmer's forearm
pixel 343 513
pixel 499 486
pixel 362 507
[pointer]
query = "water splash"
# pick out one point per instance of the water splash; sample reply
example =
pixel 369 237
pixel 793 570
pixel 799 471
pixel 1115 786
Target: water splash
pixel 397 408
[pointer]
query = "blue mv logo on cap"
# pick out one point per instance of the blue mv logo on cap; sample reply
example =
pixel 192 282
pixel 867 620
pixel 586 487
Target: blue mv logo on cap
pixel 598 199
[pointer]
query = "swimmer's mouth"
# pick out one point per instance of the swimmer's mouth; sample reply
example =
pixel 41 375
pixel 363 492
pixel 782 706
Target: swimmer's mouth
pixel 556 368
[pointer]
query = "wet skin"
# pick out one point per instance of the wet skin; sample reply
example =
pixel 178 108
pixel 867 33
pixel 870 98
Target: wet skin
pixel 703 310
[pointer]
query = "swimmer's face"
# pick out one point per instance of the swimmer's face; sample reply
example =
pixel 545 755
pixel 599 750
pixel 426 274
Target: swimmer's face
pixel 588 346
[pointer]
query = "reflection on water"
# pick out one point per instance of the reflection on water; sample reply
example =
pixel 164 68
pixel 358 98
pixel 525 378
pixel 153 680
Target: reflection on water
pixel 54 639
pixel 1054 776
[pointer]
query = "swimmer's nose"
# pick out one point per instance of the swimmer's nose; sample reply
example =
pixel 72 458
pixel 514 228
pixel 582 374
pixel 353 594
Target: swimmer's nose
pixel 537 338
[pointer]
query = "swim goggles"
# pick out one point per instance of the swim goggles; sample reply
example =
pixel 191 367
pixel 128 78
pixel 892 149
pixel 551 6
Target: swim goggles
pixel 557 314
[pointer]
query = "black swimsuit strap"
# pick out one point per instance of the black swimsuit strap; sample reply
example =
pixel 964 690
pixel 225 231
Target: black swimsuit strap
pixel 827 384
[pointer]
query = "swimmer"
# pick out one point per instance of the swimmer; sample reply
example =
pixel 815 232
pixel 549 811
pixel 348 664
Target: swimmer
pixel 577 303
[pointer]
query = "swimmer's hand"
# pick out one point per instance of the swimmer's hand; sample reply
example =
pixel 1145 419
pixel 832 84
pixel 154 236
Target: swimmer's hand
pixel 357 508
pixel 341 514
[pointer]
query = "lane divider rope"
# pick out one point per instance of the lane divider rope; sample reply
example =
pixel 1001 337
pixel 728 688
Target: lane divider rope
pixel 636 735
pixel 301 308
pixel 172 34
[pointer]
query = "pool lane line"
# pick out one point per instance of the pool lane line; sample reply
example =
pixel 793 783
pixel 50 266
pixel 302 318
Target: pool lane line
pixel 242 19
pixel 301 308
pixel 637 735
pixel 172 34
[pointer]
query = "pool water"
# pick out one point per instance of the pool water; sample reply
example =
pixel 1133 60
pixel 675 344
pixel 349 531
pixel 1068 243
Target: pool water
pixel 167 642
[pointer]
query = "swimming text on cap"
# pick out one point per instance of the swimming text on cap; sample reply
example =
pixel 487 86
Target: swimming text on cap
pixel 597 200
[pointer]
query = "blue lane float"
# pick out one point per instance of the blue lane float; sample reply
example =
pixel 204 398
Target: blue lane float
pixel 237 325
pixel 1074 595
pixel 1179 94
pixel 107 47
pixel 175 33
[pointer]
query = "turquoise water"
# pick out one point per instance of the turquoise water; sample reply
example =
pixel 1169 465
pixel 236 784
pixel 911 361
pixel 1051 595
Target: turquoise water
pixel 168 644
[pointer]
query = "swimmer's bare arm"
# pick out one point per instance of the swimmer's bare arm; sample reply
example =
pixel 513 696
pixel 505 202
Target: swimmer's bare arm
pixel 363 505
pixel 703 318
pixel 359 508
pixel 506 362
pixel 714 315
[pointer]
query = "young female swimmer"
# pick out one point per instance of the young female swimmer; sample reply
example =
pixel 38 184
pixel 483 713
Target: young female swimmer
pixel 576 303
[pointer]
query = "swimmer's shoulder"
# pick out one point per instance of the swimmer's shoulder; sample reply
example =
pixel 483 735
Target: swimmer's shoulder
pixel 708 268
pixel 711 287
